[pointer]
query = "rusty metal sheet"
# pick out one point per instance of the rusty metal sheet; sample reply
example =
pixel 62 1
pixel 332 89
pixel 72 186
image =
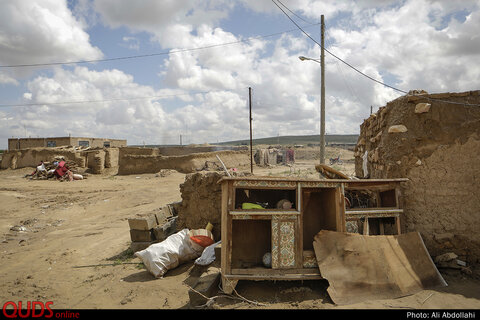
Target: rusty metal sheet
pixel 360 267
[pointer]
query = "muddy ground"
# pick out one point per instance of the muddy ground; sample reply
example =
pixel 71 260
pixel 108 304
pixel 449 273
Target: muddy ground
pixel 72 245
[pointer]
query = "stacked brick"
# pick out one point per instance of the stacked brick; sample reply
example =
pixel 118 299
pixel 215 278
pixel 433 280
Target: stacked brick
pixel 152 228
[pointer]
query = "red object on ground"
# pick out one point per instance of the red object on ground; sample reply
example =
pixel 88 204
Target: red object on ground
pixel 61 169
pixel 204 241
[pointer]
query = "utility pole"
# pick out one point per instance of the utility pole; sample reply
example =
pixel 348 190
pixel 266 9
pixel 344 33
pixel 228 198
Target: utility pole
pixel 322 104
pixel 250 117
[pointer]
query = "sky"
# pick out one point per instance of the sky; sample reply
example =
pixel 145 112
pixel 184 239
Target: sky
pixel 152 71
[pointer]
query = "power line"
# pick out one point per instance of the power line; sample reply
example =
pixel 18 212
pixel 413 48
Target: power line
pixel 148 55
pixel 103 100
pixel 363 74
pixel 296 15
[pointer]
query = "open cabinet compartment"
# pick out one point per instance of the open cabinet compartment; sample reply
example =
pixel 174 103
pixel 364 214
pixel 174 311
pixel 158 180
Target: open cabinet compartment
pixel 270 197
pixel 319 212
pixel 251 239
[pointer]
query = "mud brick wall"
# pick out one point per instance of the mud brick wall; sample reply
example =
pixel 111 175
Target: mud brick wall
pixel 201 202
pixel 436 146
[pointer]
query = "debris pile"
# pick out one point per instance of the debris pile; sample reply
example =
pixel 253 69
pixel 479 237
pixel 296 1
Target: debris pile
pixel 59 169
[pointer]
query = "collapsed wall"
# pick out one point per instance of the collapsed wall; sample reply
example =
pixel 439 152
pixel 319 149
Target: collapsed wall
pixel 127 160
pixel 95 159
pixel 434 141
pixel 31 157
pixel 131 162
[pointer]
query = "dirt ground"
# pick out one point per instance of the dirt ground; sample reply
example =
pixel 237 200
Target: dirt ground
pixel 72 245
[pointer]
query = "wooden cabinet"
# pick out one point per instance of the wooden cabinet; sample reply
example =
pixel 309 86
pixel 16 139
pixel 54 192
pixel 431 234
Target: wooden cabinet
pixel 283 233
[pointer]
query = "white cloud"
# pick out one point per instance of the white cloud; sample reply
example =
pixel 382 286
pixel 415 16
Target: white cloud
pixel 168 21
pixel 423 44
pixel 33 31
pixel 7 79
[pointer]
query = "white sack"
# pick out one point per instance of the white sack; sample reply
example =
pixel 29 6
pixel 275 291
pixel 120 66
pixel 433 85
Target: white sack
pixel 208 255
pixel 168 254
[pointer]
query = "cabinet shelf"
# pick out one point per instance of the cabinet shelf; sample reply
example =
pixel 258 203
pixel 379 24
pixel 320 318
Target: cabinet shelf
pixel 288 234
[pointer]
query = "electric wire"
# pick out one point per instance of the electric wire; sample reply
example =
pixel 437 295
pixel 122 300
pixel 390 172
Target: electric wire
pixel 104 100
pixel 360 72
pixel 150 54
pixel 335 56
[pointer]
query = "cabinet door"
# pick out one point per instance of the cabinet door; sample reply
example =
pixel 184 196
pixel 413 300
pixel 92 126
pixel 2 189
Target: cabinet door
pixel 283 241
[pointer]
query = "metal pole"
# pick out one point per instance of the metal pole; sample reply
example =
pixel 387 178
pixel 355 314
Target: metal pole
pixel 250 117
pixel 322 106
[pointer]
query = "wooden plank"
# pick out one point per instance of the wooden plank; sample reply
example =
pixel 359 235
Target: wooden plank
pixel 270 212
pixel 283 277
pixel 366 226
pixel 295 179
pixel 275 272
pixel 224 232
pixel 368 211
pixel 360 268
pixel 340 222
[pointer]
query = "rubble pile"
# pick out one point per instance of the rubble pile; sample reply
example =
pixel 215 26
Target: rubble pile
pixel 47 170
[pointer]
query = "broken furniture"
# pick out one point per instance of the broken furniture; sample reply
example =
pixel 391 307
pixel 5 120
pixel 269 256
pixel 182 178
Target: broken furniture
pixel 360 267
pixel 286 235
pixel 373 206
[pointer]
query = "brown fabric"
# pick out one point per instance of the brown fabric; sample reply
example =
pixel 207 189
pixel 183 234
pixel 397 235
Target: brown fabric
pixel 360 267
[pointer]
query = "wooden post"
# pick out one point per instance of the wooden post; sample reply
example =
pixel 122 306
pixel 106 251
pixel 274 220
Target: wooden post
pixel 322 104
pixel 251 143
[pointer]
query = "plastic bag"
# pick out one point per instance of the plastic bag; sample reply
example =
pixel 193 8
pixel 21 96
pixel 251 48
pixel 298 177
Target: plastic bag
pixel 168 254
pixel 208 255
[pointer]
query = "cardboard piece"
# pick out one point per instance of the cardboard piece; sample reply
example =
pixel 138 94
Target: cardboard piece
pixel 362 267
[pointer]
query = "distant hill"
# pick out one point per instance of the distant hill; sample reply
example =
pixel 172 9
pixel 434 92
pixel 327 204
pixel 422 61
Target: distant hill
pixel 297 140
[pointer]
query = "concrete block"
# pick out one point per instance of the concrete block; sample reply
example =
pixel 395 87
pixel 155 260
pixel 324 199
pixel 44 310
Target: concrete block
pixel 146 222
pixel 206 286
pixel 163 231
pixel 141 235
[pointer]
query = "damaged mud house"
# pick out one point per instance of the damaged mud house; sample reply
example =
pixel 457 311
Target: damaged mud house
pixel 381 234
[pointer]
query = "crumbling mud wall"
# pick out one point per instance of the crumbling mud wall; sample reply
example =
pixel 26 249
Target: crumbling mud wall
pixel 201 202
pixel 153 162
pixel 95 159
pixel 435 144
pixel 16 159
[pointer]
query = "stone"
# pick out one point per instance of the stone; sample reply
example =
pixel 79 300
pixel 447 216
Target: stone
pixel 422 107
pixel 443 236
pixel 399 128
pixel 206 287
pixel 445 257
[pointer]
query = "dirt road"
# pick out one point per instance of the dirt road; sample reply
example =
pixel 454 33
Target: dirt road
pixel 68 242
